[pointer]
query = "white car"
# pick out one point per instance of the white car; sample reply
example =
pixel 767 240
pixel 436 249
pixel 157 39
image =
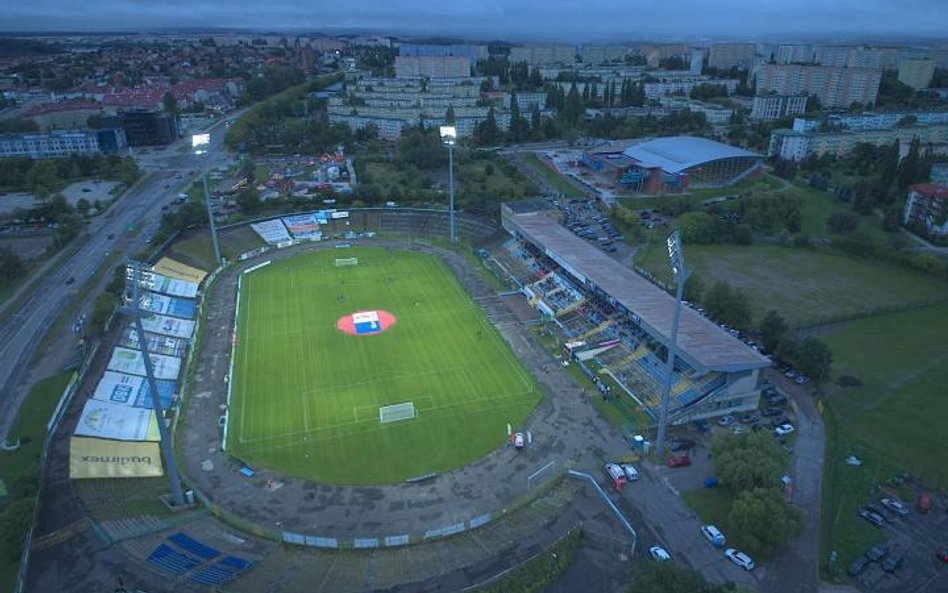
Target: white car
pixel 725 420
pixel 713 534
pixel 659 554
pixel 739 558
pixel 518 440
pixel 783 430
pixel 631 474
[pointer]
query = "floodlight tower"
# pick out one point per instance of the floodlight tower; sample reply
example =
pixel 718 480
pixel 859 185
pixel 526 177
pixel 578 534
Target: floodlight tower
pixel 677 260
pixel 136 277
pixel 449 137
pixel 200 144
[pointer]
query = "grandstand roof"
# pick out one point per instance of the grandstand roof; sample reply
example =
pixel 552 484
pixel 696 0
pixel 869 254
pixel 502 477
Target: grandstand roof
pixel 679 153
pixel 699 340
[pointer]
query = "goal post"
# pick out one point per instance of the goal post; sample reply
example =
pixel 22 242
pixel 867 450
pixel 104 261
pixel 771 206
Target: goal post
pixel 346 261
pixel 396 412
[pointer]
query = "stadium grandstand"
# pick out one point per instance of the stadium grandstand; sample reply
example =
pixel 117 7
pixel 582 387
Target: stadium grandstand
pixel 672 165
pixel 616 323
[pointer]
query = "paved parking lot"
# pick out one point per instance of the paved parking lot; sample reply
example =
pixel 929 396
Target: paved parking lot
pixel 916 537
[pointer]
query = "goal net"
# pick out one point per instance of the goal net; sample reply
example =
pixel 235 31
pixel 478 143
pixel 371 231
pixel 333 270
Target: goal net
pixel 346 261
pixel 397 412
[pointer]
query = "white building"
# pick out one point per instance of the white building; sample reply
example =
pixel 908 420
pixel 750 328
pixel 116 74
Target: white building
pixel 770 107
pixel 917 72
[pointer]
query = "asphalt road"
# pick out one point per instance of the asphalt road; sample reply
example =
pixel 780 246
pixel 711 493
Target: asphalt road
pixel 22 331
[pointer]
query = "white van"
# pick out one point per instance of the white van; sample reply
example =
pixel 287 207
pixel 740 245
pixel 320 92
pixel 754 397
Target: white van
pixel 714 535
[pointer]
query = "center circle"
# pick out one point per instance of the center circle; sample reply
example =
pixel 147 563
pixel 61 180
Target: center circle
pixel 365 323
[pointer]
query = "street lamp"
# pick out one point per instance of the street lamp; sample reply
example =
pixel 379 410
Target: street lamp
pixel 200 144
pixel 449 137
pixel 677 260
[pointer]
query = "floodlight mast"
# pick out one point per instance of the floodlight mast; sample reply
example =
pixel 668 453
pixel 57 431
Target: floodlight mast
pixel 134 275
pixel 200 144
pixel 449 136
pixel 677 261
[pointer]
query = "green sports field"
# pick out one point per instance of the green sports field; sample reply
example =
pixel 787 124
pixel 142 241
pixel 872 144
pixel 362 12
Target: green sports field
pixel 305 396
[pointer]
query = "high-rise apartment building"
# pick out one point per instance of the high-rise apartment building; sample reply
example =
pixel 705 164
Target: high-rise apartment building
pixel 731 55
pixel 432 67
pixel 543 54
pixel 835 87
pixel 770 107
pixel 917 72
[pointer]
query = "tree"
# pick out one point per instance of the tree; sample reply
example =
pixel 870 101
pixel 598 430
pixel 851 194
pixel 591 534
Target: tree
pixel 697 227
pixel 842 223
pixel 743 235
pixel 486 132
pixel 669 577
pixel 749 461
pixel 764 519
pixel 102 309
pixel 83 206
pixel 574 107
pixel 449 116
pixel 43 179
pixel 15 521
pixel 170 104
pixel 814 359
pixel 772 330
pixel 11 266
pixel 694 288
pixel 518 124
pixel 728 305
pixel 248 199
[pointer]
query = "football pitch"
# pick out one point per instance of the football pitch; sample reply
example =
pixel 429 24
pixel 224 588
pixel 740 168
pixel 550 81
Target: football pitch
pixel 306 395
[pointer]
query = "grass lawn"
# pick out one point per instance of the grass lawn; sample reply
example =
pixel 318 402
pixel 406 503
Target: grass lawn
pixel 894 421
pixel 306 396
pixel 713 505
pixel 20 469
pixel 198 250
pixel 818 206
pixel 551 177
pixel 802 284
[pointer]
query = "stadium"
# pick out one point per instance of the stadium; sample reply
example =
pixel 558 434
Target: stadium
pixel 671 165
pixel 618 323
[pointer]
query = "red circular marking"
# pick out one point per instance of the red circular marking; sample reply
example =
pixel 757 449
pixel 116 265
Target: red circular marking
pixel 347 325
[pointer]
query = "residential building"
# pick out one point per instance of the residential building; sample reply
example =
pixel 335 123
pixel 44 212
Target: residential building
pixel 793 54
pixel 697 60
pixel 683 85
pixel 654 54
pixel 536 55
pixel 917 72
pixel 716 115
pixel 927 208
pixel 770 107
pixel 731 55
pixel 62 143
pixel 882 121
pixel 796 144
pixel 526 100
pixel 432 67
pixel 602 54
pixel 835 87
pixel 472 52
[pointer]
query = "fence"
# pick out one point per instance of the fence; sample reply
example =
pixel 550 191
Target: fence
pixel 51 429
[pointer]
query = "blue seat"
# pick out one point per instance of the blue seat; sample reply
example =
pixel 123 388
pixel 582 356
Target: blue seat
pixel 194 546
pixel 172 561
pixel 211 575
pixel 235 562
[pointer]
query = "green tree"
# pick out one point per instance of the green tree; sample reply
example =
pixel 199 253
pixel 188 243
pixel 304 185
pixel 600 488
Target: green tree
pixel 248 199
pixel 694 288
pixel 842 223
pixel 728 305
pixel 669 577
pixel 698 227
pixel 102 309
pixel 83 206
pixel 814 359
pixel 772 330
pixel 43 179
pixel 15 521
pixel 765 520
pixel 11 266
pixel 749 461
pixel 449 116
pixel 170 104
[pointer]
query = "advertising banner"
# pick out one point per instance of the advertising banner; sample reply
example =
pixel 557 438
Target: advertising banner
pixel 162 304
pixel 106 420
pixel 98 458
pixel 271 231
pixel 132 390
pixel 175 269
pixel 125 360
pixel 174 287
pixel 157 344
pixel 302 226
pixel 168 326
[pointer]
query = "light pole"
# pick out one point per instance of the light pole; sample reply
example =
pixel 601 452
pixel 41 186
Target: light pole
pixel 677 261
pixel 200 144
pixel 449 137
pixel 136 276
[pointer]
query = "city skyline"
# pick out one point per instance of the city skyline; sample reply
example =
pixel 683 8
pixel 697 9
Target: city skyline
pixel 524 20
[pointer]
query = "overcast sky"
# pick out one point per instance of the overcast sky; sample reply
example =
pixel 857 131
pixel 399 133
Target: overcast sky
pixel 569 20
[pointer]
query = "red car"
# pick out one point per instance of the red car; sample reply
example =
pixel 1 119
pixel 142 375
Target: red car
pixel 679 461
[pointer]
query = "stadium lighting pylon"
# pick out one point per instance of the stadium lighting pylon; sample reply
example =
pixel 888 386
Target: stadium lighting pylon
pixel 449 137
pixel 677 261
pixel 200 144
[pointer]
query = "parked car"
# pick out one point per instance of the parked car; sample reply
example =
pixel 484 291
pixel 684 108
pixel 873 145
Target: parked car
pixel 682 444
pixel 631 474
pixel 659 554
pixel 713 535
pixel 892 562
pixel 519 441
pixel 725 420
pixel 801 380
pixel 750 418
pixel 679 461
pixel 877 552
pixel 779 422
pixel 783 430
pixel 895 505
pixel 872 517
pixel 739 558
pixel 857 566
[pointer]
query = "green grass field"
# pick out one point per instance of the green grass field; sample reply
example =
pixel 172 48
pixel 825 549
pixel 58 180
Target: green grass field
pixel 894 421
pixel 802 284
pixel 306 396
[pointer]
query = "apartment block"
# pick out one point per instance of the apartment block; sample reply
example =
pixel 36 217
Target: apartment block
pixel 60 144
pixel 917 72
pixel 602 54
pixel 770 107
pixel 731 55
pixel 927 207
pixel 795 145
pixel 432 67
pixel 835 87
pixel 536 55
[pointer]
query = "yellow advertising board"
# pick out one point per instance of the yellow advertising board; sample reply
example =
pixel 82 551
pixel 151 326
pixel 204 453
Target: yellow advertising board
pixel 102 458
pixel 175 269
